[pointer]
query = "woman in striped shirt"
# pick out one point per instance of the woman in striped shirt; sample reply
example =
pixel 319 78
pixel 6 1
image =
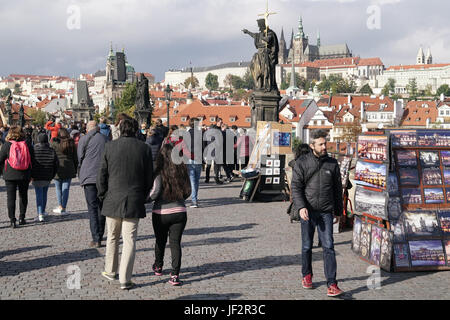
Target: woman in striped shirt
pixel 170 190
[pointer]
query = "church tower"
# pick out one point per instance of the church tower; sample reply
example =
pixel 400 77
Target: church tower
pixel 282 55
pixel 300 43
pixel 420 56
pixel 429 57
pixel 318 39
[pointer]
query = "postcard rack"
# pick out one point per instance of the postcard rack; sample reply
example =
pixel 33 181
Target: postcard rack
pixel 403 187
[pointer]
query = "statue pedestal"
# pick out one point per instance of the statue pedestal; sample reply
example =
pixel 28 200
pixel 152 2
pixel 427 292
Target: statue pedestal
pixel 265 106
pixel 144 116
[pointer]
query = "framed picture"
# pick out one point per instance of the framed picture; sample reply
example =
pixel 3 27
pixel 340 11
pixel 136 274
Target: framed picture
pixel 392 185
pixel 366 231
pixel 421 224
pixel 406 158
pixel 411 196
pixel 447 176
pixel 276 171
pixel 375 245
pixel 445 158
pixel 281 139
pixel 448 195
pixel 394 208
pixel 268 180
pixel 371 174
pixel 386 249
pixel 268 171
pixel 426 253
pixel 357 224
pixel 434 195
pixel 443 138
pixel 431 176
pixel 373 148
pixel 404 138
pixel 426 138
pixel 409 176
pixel 398 230
pixel 447 251
pixel 276 180
pixel 276 163
pixel 401 255
pixel 371 202
pixel 269 163
pixel 444 220
pixel 429 158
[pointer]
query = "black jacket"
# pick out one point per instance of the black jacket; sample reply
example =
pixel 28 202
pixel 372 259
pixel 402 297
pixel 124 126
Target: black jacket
pixel 125 178
pixel 321 192
pixel 10 173
pixel 154 142
pixel 45 163
pixel 68 162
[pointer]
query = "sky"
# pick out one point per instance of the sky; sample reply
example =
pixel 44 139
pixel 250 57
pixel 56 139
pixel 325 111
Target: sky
pixel 70 37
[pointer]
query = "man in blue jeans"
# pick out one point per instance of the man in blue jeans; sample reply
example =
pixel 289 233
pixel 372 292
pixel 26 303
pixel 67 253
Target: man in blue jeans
pixel 90 150
pixel 317 194
pixel 193 150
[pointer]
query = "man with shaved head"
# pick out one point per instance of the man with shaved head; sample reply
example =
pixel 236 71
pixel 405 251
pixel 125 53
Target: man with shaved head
pixel 90 150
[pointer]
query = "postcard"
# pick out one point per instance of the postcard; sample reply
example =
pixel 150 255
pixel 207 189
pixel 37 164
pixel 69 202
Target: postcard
pixel 406 158
pixel 426 138
pixel 445 158
pixel 434 195
pixel 421 224
pixel 427 253
pixel 429 158
pixel 411 196
pixel 404 138
pixel 409 176
pixel 373 148
pixel 444 220
pixel 431 176
pixel 371 174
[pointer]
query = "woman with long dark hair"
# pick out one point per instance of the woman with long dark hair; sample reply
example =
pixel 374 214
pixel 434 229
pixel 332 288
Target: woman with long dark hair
pixel 170 190
pixel 66 151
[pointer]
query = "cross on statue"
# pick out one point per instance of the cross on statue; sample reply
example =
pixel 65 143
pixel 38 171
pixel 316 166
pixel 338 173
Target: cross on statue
pixel 266 16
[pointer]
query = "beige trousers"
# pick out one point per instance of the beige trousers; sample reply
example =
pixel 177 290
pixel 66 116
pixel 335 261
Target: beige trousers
pixel 128 229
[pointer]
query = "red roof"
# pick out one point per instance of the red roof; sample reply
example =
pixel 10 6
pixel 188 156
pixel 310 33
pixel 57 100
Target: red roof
pixel 416 113
pixel 418 66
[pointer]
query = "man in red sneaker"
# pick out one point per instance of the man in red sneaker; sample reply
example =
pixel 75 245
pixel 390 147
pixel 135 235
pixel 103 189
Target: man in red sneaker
pixel 317 194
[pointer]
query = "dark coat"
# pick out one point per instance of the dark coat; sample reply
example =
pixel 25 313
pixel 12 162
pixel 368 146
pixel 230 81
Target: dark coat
pixel 154 142
pixel 93 156
pixel 68 162
pixel 45 164
pixel 125 178
pixel 11 173
pixel 321 192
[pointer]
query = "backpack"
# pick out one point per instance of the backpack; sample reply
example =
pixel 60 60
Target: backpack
pixel 19 156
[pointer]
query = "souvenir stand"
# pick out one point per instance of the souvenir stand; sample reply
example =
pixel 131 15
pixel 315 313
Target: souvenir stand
pixel 402 200
pixel 265 178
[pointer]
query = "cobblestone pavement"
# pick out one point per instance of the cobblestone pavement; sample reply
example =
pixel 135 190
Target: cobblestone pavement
pixel 231 250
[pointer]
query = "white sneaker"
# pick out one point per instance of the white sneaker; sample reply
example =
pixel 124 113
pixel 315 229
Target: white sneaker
pixel 64 213
pixel 41 218
pixel 57 210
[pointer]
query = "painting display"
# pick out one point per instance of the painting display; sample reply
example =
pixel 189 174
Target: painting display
pixel 366 232
pixel 445 158
pixel 356 235
pixel 421 224
pixel 371 174
pixel 409 176
pixel 406 158
pixel 447 250
pixel 375 245
pixel 447 176
pixel 371 202
pixel 394 208
pixel 404 138
pixel 431 176
pixel 399 233
pixel 392 185
pixel 344 165
pixel 426 253
pixel 373 148
pixel 426 138
pixel 429 158
pixel 434 195
pixel 444 220
pixel 386 249
pixel 411 196
pixel 442 138
pixel 401 254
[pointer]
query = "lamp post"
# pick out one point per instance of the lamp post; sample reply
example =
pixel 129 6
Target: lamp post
pixel 168 94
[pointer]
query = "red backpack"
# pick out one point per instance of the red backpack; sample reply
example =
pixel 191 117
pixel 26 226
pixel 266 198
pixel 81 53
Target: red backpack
pixel 19 156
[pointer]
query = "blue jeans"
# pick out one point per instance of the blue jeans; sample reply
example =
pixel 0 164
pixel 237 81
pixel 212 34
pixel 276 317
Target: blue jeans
pixel 324 224
pixel 62 191
pixel 41 199
pixel 195 171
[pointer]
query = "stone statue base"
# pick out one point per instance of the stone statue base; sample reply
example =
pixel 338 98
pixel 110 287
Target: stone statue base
pixel 265 106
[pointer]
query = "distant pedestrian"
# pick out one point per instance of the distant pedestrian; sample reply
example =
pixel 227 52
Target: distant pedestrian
pixel 243 148
pixel 44 169
pixel 53 127
pixel 75 134
pixel 67 169
pixel 90 150
pixel 154 141
pixel 317 194
pixel 124 182
pixel 16 157
pixel 163 130
pixel 171 188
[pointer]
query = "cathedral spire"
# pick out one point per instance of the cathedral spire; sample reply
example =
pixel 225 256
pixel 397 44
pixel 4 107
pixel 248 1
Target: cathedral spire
pixel 282 35
pixel 420 56
pixel 318 38
pixel 300 34
pixel 429 57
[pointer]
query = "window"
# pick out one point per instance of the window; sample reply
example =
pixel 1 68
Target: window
pixel 212 119
pixel 183 119
pixel 232 119
pixel 248 119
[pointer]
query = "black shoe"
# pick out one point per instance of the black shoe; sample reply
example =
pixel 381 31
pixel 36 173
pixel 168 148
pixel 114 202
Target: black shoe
pixel 219 182
pixel 13 225
pixel 22 222
pixel 207 181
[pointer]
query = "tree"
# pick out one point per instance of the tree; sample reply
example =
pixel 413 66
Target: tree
pixel 249 83
pixel 389 87
pixel 428 90
pixel 194 81
pixel 212 81
pixel 351 131
pixel 128 99
pixel 411 87
pixel 4 93
pixel 17 89
pixel 444 89
pixel 366 89
pixel 39 117
pixel 237 82
pixel 228 81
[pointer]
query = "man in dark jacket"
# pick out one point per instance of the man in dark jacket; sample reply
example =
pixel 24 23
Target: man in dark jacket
pixel 317 194
pixel 124 183
pixel 90 150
